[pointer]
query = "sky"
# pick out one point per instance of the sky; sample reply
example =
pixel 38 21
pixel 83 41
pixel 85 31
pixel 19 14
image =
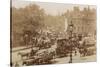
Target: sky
pixel 50 8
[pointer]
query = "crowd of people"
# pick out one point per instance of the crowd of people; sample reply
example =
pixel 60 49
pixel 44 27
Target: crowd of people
pixel 64 45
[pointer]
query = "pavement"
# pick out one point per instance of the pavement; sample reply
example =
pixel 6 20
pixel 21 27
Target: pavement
pixel 76 59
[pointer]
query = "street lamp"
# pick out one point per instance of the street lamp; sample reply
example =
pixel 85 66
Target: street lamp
pixel 70 40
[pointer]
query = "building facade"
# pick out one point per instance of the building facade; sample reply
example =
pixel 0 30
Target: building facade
pixel 84 20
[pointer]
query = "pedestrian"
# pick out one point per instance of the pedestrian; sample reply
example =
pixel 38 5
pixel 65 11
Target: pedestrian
pixel 75 52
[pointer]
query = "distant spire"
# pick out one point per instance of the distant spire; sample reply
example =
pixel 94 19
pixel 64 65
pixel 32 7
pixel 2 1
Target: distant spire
pixel 66 25
pixel 88 8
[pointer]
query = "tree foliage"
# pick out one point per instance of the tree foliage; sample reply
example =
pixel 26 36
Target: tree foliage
pixel 29 18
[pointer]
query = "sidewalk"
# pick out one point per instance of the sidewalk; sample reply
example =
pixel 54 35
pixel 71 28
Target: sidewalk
pixel 76 59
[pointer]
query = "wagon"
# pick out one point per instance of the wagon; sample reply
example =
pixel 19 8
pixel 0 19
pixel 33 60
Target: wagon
pixel 63 47
pixel 87 46
pixel 43 56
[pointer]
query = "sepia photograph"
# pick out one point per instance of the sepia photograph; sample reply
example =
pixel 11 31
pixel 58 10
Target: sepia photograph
pixel 45 33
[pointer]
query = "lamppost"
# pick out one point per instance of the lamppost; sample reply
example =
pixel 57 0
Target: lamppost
pixel 70 40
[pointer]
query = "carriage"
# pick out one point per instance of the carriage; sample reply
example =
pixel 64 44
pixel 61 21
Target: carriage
pixel 63 47
pixel 43 56
pixel 87 46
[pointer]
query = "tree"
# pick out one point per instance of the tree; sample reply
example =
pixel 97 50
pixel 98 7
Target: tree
pixel 29 18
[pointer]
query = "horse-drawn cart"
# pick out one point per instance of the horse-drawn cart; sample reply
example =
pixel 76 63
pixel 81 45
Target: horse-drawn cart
pixel 43 56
